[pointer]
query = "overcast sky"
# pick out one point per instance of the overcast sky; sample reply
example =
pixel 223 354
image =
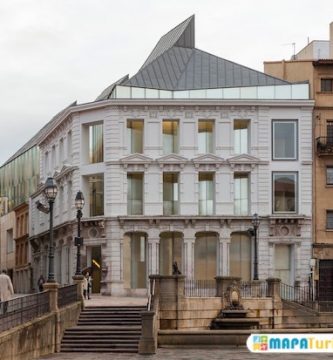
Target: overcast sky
pixel 53 52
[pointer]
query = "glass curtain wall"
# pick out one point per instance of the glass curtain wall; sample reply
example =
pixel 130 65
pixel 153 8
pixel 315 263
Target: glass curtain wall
pixel 241 136
pixel 205 136
pixel 241 194
pixel 138 261
pixel 171 248
pixel 206 193
pixel 170 194
pixel 135 194
pixel 96 152
pixel 135 136
pixel 96 195
pixel 240 256
pixel 205 256
pixel 19 178
pixel 170 136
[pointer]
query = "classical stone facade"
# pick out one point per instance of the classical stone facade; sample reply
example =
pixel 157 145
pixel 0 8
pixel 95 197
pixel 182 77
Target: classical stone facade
pixel 174 175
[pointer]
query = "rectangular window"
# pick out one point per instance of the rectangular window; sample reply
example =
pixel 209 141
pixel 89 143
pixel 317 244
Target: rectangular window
pixel 170 194
pixel 10 241
pixel 241 136
pixel 96 153
pixel 205 136
pixel 206 193
pixel 135 136
pixel 241 194
pixel 285 192
pixel 329 219
pixel 170 136
pixel 284 140
pixel 96 195
pixel 329 175
pixel 135 194
pixel 326 85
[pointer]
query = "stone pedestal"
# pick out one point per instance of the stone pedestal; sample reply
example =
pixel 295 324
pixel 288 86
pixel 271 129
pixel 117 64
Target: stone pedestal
pixel 273 288
pixel 148 340
pixel 79 281
pixel 52 288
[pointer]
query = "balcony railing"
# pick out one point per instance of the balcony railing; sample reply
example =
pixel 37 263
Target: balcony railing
pixel 325 145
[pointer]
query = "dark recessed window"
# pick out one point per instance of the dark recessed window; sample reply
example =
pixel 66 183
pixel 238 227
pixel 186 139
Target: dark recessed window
pixel 326 85
pixel 329 219
pixel 329 175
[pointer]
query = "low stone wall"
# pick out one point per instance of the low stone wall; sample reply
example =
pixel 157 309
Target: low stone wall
pixel 189 313
pixel 262 310
pixel 38 337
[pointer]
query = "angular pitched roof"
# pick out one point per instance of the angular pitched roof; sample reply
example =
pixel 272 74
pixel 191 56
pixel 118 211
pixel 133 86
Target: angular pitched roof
pixel 176 64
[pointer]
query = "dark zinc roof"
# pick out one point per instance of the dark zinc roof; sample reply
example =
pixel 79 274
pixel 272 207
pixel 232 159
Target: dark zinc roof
pixel 176 64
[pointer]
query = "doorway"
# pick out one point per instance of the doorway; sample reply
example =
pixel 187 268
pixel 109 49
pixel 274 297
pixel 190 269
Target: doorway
pixel 96 262
pixel 205 256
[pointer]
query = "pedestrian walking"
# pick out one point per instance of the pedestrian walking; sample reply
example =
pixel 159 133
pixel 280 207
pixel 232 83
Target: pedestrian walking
pixel 85 286
pixel 6 290
pixel 89 284
pixel 40 283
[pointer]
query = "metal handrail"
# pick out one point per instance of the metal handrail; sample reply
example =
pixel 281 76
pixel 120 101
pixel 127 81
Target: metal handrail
pixel 67 295
pixel 200 288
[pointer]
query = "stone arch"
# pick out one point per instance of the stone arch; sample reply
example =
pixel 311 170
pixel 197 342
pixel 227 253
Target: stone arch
pixel 240 255
pixel 171 249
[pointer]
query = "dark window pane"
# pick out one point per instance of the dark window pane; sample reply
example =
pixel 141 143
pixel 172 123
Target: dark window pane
pixel 329 175
pixel 284 140
pixel 326 85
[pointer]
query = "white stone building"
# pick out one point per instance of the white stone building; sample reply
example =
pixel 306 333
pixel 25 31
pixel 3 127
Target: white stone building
pixel 173 163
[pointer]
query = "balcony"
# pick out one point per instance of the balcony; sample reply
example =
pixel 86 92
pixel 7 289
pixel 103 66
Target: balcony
pixel 324 145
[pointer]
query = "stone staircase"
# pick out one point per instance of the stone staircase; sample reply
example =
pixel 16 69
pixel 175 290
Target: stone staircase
pixel 105 329
pixel 298 316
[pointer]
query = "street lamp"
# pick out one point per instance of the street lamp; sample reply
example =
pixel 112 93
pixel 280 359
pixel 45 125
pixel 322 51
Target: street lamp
pixel 79 203
pixel 255 222
pixel 50 192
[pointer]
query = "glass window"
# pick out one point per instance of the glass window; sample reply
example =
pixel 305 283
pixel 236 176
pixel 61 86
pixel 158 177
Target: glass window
pixel 96 143
pixel 241 136
pixel 96 194
pixel 135 136
pixel 240 256
pixel 138 261
pixel 134 194
pixel 285 192
pixel 170 136
pixel 282 262
pixel 171 245
pixel 170 194
pixel 326 85
pixel 329 175
pixel 329 219
pixel 284 140
pixel 10 241
pixel 205 136
pixel 206 193
pixel 241 194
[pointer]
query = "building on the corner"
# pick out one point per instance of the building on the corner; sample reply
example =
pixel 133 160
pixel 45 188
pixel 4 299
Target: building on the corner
pixel 314 63
pixel 173 162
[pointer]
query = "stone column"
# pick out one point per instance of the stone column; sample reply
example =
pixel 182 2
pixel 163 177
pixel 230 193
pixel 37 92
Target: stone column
pixel 273 291
pixel 189 257
pixel 52 288
pixel 148 340
pixel 154 244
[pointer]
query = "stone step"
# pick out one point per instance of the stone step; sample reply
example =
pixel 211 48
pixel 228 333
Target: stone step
pixel 106 328
pixel 88 342
pixel 98 350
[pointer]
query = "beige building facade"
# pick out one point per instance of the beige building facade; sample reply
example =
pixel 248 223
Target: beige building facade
pixel 308 66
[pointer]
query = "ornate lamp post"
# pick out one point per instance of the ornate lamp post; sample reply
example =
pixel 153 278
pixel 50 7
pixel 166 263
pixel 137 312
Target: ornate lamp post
pixel 79 203
pixel 50 192
pixel 255 222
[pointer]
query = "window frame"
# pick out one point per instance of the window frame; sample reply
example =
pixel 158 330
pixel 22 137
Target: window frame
pixel 212 122
pixel 327 212
pixel 295 173
pixel 239 175
pixel 129 145
pixel 293 121
pixel 175 210
pixel 248 121
pixel 326 79
pixel 329 183
pixel 175 145
pixel 142 174
pixel 213 193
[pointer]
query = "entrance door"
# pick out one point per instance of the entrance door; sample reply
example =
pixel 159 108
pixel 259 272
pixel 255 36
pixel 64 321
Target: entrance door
pixel 138 261
pixel 96 268
pixel 325 280
pixel 283 264
pixel 205 256
pixel 240 256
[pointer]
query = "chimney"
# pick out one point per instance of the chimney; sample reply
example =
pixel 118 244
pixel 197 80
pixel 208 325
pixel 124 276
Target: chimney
pixel 331 40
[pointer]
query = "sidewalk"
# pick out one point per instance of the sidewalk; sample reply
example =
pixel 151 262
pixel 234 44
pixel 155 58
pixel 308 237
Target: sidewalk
pixel 104 300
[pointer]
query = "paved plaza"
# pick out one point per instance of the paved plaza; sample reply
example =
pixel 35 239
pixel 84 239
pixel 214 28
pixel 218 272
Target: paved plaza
pixel 211 353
